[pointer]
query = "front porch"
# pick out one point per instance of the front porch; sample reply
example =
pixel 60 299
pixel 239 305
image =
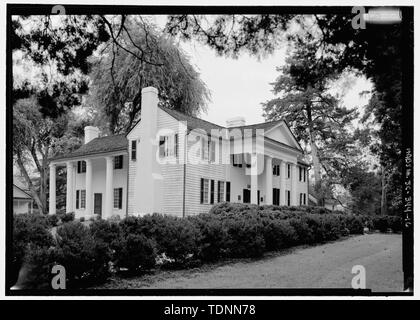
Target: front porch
pixel 95 185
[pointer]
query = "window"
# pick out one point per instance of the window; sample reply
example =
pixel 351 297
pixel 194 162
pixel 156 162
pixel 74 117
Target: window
pixel 204 191
pixel 83 199
pixel 288 197
pixel 237 160
pixel 247 160
pixel 220 191
pixel 81 166
pixel 246 193
pixel 168 146
pixel 228 191
pixel 276 196
pixel 118 198
pixel 118 162
pixel 276 170
pixel 288 171
pixel 133 150
pixel 77 198
pixel 205 148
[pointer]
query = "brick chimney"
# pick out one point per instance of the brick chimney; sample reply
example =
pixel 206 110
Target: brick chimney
pixel 235 122
pixel 91 133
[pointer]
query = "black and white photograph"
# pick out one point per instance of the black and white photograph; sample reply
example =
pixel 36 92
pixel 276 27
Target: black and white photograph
pixel 199 150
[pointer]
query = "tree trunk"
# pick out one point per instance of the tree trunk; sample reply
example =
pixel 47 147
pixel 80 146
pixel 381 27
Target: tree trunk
pixel 314 154
pixel 384 204
pixel 28 180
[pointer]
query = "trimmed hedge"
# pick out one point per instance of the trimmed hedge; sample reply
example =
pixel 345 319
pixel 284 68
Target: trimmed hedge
pixel 138 244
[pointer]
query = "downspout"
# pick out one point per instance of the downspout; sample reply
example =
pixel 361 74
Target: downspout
pixel 128 176
pixel 185 173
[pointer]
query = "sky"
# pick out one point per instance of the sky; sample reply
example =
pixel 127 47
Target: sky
pixel 239 86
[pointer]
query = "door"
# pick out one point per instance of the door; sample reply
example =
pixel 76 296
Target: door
pixel 246 196
pixel 97 209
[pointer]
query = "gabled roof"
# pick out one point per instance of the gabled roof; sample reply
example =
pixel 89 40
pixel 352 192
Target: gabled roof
pixel 98 145
pixel 192 122
pixel 19 193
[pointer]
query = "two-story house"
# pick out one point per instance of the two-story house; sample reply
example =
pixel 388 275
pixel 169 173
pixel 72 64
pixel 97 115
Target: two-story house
pixel 173 163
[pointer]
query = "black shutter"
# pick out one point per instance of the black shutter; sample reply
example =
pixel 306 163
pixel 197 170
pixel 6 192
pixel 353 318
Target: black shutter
pixel 227 191
pixel 176 145
pixel 77 199
pixel 202 190
pixel 78 166
pixel 133 150
pixel 218 190
pixel 120 198
pixel 211 191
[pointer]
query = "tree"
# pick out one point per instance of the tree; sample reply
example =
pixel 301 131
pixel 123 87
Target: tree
pixel 315 114
pixel 119 75
pixel 374 52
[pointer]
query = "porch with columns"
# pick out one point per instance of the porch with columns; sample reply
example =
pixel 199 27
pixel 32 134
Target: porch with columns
pixel 87 184
pixel 267 175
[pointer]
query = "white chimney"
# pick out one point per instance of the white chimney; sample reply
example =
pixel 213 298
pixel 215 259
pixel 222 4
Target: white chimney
pixel 91 133
pixel 235 122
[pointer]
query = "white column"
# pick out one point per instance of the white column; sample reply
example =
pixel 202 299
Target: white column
pixel 89 191
pixel 254 179
pixel 69 188
pixel 52 205
pixel 283 200
pixel 109 191
pixel 294 191
pixel 268 180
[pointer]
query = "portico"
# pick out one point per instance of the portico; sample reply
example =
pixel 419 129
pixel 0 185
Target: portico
pixel 86 196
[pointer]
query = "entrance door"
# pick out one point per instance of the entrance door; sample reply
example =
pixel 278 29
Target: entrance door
pixel 246 196
pixel 97 209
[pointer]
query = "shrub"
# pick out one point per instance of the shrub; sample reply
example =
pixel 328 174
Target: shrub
pixel 176 237
pixel 52 220
pixel 380 223
pixel 354 224
pixel 303 231
pixel 67 217
pixel 136 253
pixel 213 237
pixel 395 223
pixel 85 260
pixel 245 237
pixel 278 234
pixel 28 230
pixel 37 266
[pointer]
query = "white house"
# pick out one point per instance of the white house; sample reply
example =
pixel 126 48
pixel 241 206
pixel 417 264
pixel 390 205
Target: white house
pixel 177 164
pixel 22 201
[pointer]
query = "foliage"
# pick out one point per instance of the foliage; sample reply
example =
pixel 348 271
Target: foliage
pixel 138 244
pixel 119 76
pixel 85 260
pixel 67 217
pixel 29 231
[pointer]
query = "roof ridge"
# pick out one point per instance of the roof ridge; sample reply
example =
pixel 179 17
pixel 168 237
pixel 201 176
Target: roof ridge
pixel 256 124
pixel 188 115
pixel 248 125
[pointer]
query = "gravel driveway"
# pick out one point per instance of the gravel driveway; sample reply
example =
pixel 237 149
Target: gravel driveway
pixel 323 266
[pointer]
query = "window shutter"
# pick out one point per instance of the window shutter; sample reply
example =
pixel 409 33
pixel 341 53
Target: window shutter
pixel 228 191
pixel 120 198
pixel 176 146
pixel 77 198
pixel 218 191
pixel 79 169
pixel 212 191
pixel 202 190
pixel 133 150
